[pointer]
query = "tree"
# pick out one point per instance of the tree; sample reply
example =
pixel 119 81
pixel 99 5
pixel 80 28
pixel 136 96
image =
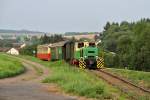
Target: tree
pixel 107 26
pixel 130 42
pixel 51 39
pixel 29 50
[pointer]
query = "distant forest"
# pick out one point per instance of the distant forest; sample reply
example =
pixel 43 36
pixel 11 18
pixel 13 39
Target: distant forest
pixel 128 44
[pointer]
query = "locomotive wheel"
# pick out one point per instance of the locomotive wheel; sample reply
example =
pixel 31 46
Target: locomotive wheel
pixel 100 63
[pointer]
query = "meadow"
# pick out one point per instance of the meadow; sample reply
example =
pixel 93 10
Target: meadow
pixel 9 67
pixel 79 82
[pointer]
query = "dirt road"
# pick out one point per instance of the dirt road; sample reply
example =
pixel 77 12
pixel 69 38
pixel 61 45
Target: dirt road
pixel 28 86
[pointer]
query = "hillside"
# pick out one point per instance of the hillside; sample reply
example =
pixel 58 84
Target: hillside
pixel 80 33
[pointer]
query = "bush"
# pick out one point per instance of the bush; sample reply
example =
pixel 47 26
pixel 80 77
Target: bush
pixel 29 50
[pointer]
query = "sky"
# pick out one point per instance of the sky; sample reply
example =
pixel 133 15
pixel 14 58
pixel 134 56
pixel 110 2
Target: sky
pixel 69 15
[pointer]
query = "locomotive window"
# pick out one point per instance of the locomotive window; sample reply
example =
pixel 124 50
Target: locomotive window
pixel 92 44
pixel 80 45
pixel 91 52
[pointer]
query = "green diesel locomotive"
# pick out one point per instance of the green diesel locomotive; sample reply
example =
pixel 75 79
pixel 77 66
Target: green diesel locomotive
pixel 83 54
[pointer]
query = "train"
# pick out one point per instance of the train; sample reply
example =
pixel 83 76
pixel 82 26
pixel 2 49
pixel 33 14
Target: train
pixel 82 54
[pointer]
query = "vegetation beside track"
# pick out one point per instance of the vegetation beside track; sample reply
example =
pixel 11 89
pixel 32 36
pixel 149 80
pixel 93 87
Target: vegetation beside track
pixel 9 67
pixel 137 77
pixel 129 44
pixel 79 82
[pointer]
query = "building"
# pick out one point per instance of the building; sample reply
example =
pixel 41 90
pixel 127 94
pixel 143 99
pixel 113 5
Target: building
pixel 13 51
pixel 1 37
pixel 78 37
pixel 19 45
pixel 23 45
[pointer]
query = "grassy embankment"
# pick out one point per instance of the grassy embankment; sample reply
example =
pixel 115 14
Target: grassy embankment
pixel 79 82
pixel 9 67
pixel 138 77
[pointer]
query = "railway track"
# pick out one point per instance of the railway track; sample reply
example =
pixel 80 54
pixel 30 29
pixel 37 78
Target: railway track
pixel 124 85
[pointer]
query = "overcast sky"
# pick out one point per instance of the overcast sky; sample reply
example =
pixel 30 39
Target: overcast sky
pixel 69 15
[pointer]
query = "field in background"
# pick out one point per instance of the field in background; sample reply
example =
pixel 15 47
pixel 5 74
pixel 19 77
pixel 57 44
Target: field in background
pixel 9 67
pixel 137 77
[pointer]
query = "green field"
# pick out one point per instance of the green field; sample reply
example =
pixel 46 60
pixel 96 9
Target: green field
pixel 9 67
pixel 79 82
pixel 137 77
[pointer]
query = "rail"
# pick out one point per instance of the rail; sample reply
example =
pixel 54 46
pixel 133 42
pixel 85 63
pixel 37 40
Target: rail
pixel 124 80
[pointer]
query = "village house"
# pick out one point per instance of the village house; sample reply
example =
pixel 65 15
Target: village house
pixel 16 48
pixel 18 45
pixel 13 51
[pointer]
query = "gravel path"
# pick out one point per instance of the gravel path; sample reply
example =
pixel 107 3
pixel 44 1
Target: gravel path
pixel 28 86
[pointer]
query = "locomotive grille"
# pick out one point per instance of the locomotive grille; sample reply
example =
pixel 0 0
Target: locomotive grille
pixel 90 57
pixel 91 51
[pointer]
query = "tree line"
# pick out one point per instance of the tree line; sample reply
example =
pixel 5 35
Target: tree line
pixel 32 48
pixel 127 45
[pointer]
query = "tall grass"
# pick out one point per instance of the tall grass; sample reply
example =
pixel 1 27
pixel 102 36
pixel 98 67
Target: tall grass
pixel 76 81
pixel 9 67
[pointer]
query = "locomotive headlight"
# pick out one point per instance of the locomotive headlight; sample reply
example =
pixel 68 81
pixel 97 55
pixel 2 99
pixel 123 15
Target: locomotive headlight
pixel 96 57
pixel 85 56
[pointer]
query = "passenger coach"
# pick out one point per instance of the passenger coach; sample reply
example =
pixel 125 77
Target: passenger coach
pixel 44 52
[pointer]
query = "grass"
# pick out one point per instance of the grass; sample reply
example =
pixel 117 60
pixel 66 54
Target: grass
pixel 138 77
pixel 79 82
pixel 9 67
pixel 76 81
